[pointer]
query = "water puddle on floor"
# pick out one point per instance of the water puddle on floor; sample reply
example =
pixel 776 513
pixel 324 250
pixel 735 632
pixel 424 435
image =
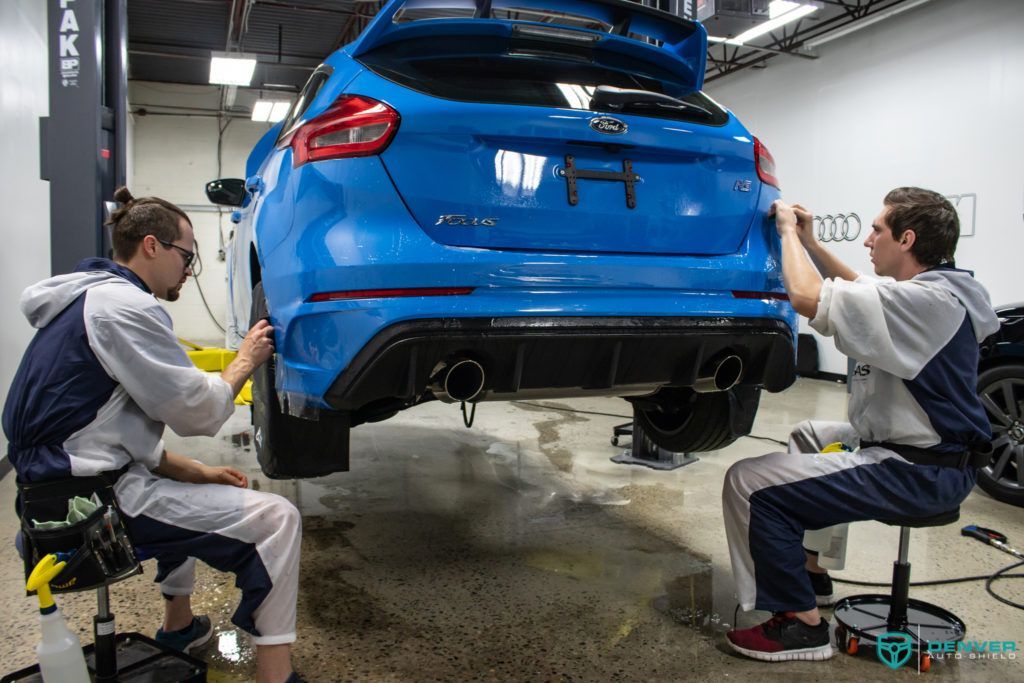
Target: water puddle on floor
pixel 707 623
pixel 690 601
pixel 230 656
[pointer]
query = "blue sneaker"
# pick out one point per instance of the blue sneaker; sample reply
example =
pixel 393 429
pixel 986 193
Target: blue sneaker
pixel 196 634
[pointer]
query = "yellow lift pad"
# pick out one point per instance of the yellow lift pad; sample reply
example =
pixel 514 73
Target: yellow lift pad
pixel 212 359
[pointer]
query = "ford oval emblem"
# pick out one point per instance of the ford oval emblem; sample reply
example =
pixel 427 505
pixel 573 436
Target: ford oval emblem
pixel 606 124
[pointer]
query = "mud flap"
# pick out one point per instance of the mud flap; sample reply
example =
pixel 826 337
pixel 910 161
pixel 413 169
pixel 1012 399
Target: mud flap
pixel 289 447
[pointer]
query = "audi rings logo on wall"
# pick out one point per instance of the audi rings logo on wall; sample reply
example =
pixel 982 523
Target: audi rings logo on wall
pixel 837 228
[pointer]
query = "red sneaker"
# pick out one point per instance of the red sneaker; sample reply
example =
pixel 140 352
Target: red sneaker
pixel 783 638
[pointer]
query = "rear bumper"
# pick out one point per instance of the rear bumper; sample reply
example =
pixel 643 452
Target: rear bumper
pixel 563 356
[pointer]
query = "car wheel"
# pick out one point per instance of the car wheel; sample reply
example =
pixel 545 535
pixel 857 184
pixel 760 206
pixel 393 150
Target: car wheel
pixel 682 420
pixel 289 447
pixel 1001 390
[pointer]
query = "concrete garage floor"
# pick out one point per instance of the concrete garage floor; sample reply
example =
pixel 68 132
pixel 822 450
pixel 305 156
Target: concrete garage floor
pixel 515 551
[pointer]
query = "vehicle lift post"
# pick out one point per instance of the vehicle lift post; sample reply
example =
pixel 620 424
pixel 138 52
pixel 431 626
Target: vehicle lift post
pixel 82 141
pixel 645 452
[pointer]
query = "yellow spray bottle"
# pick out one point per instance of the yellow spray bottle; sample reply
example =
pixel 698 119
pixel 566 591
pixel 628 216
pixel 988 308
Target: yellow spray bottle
pixel 60 651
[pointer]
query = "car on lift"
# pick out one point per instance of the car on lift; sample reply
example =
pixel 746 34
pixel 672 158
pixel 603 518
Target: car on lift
pixel 508 199
pixel 1001 388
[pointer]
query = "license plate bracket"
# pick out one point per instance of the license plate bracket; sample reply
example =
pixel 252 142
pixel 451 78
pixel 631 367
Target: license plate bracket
pixel 572 175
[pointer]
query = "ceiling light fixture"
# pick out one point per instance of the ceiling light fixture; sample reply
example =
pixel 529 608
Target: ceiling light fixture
pixel 781 12
pixel 231 69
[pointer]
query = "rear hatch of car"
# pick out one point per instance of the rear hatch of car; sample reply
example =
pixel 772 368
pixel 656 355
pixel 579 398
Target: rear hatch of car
pixel 566 136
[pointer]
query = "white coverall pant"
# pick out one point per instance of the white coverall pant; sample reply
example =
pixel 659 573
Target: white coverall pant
pixel 253 534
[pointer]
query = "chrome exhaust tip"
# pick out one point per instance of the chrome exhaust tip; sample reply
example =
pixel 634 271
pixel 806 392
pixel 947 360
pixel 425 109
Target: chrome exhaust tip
pixel 720 374
pixel 458 381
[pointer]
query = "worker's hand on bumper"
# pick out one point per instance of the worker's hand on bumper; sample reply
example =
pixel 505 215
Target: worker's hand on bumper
pixel 804 224
pixel 258 345
pixel 785 218
pixel 254 351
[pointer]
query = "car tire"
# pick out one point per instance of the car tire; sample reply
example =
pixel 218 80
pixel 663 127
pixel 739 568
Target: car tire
pixel 1001 389
pixel 681 420
pixel 289 447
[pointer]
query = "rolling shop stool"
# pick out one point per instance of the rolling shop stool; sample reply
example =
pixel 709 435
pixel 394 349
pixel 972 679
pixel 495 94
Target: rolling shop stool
pixel 99 554
pixel 896 623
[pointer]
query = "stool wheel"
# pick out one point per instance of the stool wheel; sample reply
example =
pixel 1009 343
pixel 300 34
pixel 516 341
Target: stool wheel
pixel 615 441
pixel 926 662
pixel 853 646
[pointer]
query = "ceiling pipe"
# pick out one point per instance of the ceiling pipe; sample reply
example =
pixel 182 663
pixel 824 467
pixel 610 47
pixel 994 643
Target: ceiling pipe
pixel 858 25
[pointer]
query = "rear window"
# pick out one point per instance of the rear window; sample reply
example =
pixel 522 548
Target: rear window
pixel 305 98
pixel 522 71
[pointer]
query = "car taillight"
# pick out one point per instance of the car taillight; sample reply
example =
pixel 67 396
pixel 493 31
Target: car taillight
pixel 389 293
pixel 765 163
pixel 354 126
pixel 777 296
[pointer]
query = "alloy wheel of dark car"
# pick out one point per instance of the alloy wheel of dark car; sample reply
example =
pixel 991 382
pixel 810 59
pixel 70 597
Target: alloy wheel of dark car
pixel 1002 393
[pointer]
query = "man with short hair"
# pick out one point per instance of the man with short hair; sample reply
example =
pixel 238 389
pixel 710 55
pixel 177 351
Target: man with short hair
pixel 913 412
pixel 102 377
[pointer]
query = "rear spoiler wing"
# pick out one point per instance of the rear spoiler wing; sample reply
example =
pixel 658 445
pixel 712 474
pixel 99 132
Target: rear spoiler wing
pixel 683 39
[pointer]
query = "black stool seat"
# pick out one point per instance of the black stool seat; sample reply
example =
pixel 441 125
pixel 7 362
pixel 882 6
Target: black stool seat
pixel 940 519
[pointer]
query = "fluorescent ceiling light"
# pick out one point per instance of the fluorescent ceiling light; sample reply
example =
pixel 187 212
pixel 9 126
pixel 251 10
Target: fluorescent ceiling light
pixel 231 69
pixel 261 110
pixel 781 12
pixel 777 8
pixel 270 110
pixel 280 111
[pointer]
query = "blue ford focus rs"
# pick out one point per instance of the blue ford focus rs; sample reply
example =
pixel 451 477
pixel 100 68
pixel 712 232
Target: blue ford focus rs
pixel 504 199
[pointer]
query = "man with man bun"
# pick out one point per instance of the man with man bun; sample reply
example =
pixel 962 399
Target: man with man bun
pixel 102 377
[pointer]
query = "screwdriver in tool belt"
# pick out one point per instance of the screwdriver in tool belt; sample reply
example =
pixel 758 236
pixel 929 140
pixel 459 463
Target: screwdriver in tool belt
pixel 992 538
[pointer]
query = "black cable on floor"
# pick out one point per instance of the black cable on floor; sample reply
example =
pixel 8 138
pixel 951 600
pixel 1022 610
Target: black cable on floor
pixel 767 438
pixel 570 410
pixel 987 578
pixel 1001 574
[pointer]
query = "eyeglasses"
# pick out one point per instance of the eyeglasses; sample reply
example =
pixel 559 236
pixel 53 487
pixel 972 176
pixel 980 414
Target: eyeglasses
pixel 189 256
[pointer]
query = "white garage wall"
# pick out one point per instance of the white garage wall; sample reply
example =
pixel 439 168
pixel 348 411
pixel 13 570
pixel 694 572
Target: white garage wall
pixel 932 97
pixel 173 157
pixel 25 230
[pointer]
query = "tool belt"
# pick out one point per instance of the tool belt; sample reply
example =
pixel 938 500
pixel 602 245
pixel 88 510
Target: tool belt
pixel 101 552
pixel 977 456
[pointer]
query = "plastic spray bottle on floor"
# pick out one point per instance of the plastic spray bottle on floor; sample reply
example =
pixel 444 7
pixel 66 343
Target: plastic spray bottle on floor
pixel 60 652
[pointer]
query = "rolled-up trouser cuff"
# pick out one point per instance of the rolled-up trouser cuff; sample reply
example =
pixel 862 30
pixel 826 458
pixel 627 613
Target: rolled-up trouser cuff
pixel 282 639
